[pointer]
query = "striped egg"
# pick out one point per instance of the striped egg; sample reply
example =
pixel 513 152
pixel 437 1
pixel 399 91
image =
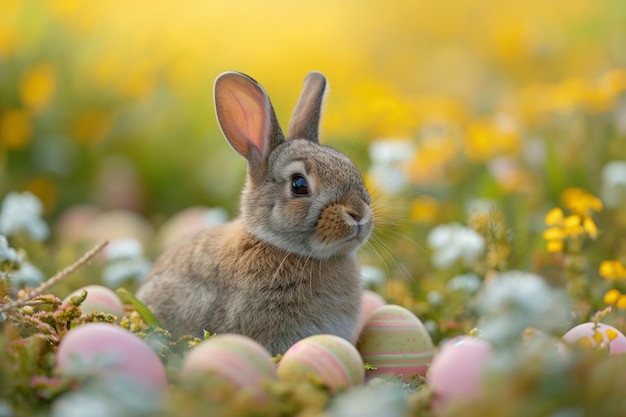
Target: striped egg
pixel 325 358
pixel 235 359
pixel 396 342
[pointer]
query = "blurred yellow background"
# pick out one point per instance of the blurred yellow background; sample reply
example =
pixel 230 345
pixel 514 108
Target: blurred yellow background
pixel 101 93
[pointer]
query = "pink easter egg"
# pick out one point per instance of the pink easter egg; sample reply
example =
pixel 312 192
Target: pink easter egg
pixel 236 359
pixel 111 353
pixel 329 359
pixel 370 302
pixel 396 342
pixel 99 299
pixel 590 335
pixel 456 371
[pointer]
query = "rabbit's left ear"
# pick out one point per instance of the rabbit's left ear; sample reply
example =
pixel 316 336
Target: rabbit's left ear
pixel 247 119
pixel 305 120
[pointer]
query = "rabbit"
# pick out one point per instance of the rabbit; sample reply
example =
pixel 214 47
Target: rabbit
pixel 285 268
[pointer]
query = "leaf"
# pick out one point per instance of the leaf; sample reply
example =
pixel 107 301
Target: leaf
pixel 142 309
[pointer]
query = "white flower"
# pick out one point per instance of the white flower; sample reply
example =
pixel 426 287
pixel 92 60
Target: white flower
pixel 468 283
pixel 434 298
pixel 22 212
pixel 516 300
pixel 8 254
pixel 390 158
pixel 614 183
pixel 454 242
pixel 126 262
pixel 371 275
pixel 124 397
pixel 27 276
pixel 124 248
pixel 124 270
pixel 391 151
pixel 369 401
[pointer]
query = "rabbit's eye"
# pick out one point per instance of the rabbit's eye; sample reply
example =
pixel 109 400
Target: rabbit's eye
pixel 299 186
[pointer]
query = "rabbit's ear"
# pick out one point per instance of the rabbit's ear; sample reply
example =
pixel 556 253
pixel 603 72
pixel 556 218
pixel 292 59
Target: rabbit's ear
pixel 247 118
pixel 305 120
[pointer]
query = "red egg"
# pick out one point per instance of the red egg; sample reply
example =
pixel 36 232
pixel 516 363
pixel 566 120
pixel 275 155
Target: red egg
pixel 457 370
pixel 111 353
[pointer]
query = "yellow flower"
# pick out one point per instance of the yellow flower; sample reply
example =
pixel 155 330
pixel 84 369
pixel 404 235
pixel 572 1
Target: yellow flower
pixel 486 138
pixel 554 233
pixel 581 202
pixel 572 225
pixel 590 227
pixel 611 296
pixel 611 334
pixel 612 270
pixel 37 86
pixel 15 129
pixel 554 246
pixel 554 217
pixel 424 209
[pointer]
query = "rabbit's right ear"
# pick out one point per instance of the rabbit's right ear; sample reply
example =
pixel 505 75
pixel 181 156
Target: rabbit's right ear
pixel 247 119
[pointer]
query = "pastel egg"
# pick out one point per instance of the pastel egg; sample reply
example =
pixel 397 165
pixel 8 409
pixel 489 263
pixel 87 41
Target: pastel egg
pixel 600 335
pixel 235 359
pixel 370 302
pixel 111 353
pixel 456 371
pixel 99 299
pixel 396 342
pixel 330 359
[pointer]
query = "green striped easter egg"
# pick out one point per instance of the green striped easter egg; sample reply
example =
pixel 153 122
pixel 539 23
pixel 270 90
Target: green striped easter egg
pixel 396 342
pixel 325 358
pixel 235 359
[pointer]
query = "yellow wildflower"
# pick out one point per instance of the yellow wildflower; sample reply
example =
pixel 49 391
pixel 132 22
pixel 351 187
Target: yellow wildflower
pixel 37 86
pixel 554 246
pixel 590 227
pixel 612 270
pixel 554 217
pixel 572 225
pixel 424 209
pixel 611 296
pixel 611 334
pixel 580 202
pixel 15 129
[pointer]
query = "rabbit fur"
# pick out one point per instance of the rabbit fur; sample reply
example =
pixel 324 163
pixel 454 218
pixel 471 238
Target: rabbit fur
pixel 285 268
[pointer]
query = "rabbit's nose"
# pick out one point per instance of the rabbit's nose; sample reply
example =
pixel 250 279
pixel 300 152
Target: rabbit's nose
pixel 357 217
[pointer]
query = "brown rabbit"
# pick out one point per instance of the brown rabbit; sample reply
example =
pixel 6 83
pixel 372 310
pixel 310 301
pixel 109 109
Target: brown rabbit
pixel 285 268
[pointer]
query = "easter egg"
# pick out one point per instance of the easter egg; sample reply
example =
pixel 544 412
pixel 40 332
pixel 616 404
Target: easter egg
pixel 597 336
pixel 456 370
pixel 329 359
pixel 111 353
pixel 396 342
pixel 370 302
pixel 238 360
pixel 99 299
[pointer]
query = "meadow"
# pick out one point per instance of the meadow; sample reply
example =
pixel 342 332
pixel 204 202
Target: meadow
pixel 491 136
